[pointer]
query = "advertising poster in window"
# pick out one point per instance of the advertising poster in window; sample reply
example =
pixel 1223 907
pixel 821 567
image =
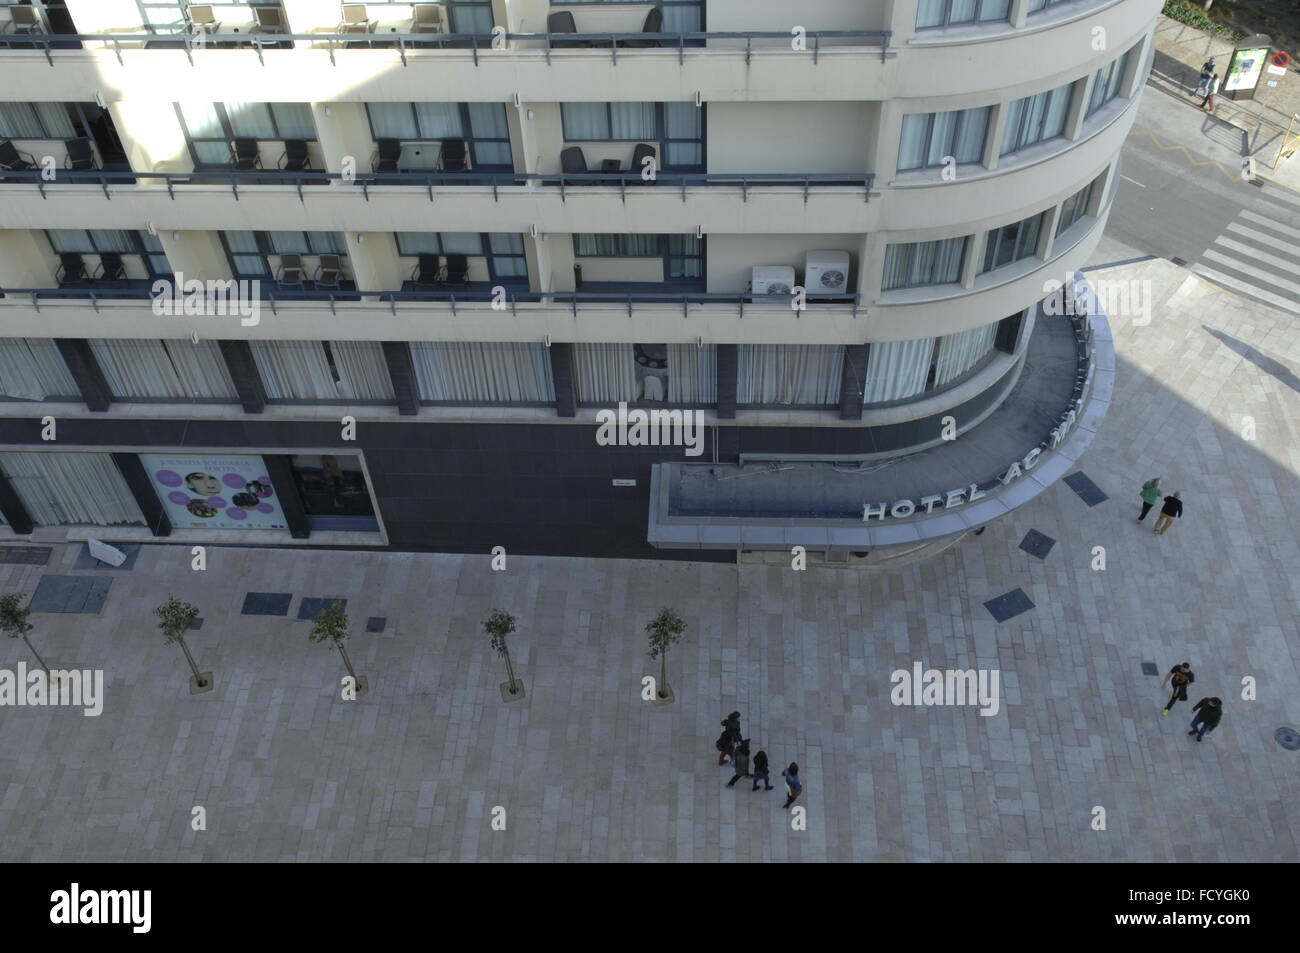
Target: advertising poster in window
pixel 214 491
pixel 1245 69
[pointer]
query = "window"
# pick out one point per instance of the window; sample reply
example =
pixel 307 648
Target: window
pixel 97 241
pixel 680 16
pixel 41 121
pixel 170 370
pixel 333 491
pixel 683 255
pixel 248 251
pixel 503 251
pixel 1105 86
pixel 168 16
pixel 805 375
pixel 1036 119
pixel 483 372
pixel 932 13
pixel 929 138
pixel 1037 5
pixel 1011 243
pixel 483 126
pixel 915 264
pixel 1075 207
pixel 68 489
pixel 469 16
pixel 679 126
pixel 210 127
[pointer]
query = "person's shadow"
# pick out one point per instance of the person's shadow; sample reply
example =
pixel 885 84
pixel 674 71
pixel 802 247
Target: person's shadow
pixel 1265 363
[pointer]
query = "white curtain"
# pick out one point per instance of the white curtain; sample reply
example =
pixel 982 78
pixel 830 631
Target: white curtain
pixel 789 373
pixel 481 371
pixel 692 374
pixel 606 373
pixel 294 370
pixel 363 372
pixel 60 489
pixel 959 352
pixel 165 370
pixel 33 369
pixel 897 369
pixel 392 120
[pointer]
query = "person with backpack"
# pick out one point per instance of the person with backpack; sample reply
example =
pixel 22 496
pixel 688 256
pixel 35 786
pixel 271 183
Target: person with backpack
pixel 1208 713
pixel 1181 675
pixel 792 784
pixel 742 763
pixel 726 744
pixel 1150 497
pixel 761 772
pixel 1172 509
pixel 1207 73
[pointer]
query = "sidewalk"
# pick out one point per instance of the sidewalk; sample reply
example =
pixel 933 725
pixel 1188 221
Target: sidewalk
pixel 1247 127
pixel 587 770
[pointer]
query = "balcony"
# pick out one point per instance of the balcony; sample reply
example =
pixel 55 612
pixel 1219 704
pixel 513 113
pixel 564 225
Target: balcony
pixel 846 65
pixel 773 203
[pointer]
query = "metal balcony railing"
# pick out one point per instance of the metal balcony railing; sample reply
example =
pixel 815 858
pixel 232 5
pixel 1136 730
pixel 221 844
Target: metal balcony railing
pixel 625 182
pixel 511 302
pixel 806 43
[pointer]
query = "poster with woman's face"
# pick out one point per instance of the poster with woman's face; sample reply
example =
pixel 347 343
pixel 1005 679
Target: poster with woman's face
pixel 214 491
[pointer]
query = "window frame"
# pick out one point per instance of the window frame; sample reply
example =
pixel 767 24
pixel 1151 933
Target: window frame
pixel 664 253
pixel 958 126
pixel 470 138
pixel 1118 65
pixel 485 251
pixel 660 132
pixel 139 248
pixel 228 129
pixel 76 114
pixel 1080 210
pixel 930 282
pixel 265 249
pixel 979 9
pixel 1039 134
pixel 993 242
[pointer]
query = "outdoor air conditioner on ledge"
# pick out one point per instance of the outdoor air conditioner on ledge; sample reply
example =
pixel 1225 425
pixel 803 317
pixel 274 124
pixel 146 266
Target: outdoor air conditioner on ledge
pixel 772 280
pixel 826 272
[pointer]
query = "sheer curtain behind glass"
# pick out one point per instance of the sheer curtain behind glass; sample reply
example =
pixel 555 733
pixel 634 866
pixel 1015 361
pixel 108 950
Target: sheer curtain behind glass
pixel 897 369
pixel 692 374
pixel 959 352
pixel 789 374
pixel 33 369
pixel 294 370
pixel 507 372
pixel 363 372
pixel 605 372
pixel 65 489
pixel 164 370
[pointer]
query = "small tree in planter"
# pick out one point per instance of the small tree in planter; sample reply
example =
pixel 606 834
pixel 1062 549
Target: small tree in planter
pixel 664 631
pixel 13 620
pixel 498 627
pixel 175 619
pixel 331 624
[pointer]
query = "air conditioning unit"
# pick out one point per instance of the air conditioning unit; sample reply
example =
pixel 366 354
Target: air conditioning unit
pixel 826 273
pixel 772 280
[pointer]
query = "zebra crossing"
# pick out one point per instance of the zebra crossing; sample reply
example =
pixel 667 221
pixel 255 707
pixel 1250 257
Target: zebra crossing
pixel 1258 255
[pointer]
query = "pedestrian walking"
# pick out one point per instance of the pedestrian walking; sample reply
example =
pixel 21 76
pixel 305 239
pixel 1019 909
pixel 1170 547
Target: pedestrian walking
pixel 1208 712
pixel 742 763
pixel 726 744
pixel 1172 509
pixel 761 772
pixel 1150 497
pixel 1180 676
pixel 793 786
pixel 1207 73
pixel 1210 90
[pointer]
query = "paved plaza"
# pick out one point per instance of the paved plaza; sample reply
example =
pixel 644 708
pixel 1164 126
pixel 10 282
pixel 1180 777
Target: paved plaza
pixel 586 770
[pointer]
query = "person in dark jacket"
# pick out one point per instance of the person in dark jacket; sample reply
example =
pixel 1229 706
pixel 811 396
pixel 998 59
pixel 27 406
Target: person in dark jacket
pixel 742 763
pixel 1207 73
pixel 1172 509
pixel 761 772
pixel 1180 676
pixel 726 745
pixel 1208 712
pixel 792 783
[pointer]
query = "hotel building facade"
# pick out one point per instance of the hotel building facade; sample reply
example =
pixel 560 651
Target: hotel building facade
pixel 370 275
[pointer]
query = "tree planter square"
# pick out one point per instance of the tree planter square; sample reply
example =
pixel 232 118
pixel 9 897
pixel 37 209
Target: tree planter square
pixel 197 688
pixel 517 696
pixel 666 699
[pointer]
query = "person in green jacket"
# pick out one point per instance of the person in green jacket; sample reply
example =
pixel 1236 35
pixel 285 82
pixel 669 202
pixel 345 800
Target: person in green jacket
pixel 1150 497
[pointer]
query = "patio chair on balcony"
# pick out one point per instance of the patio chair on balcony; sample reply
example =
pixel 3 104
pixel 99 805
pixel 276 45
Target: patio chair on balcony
pixel 454 154
pixel 563 23
pixel 110 267
pixel 12 160
pixel 295 157
pixel 244 155
pixel 71 269
pixel 290 274
pixel 654 23
pixel 642 152
pixel 573 162
pixel 457 273
pixel 426 271
pixel 329 273
pixel 387 155
pixel 355 19
pixel 269 20
pixel 426 18
pixel 81 155
pixel 25 20
pixel 201 18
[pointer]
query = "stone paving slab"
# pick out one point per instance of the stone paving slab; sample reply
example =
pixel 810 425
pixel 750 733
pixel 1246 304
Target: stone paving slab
pixel 586 770
pixel 70 594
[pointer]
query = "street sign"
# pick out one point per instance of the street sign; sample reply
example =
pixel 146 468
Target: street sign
pixel 1277 70
pixel 1281 59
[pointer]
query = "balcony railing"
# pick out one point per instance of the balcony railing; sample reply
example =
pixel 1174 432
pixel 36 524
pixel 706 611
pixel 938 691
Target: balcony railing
pixel 808 43
pixel 511 302
pixel 627 181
